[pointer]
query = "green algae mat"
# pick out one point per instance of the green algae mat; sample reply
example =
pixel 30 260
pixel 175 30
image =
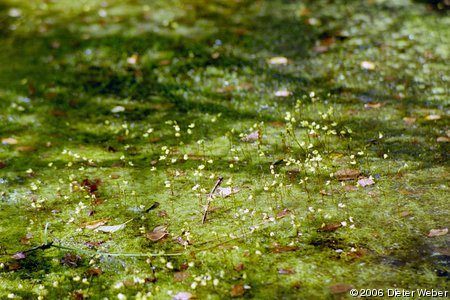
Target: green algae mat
pixel 189 149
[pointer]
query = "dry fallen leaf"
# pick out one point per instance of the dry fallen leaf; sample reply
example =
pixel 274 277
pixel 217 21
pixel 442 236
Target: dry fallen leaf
pixel 239 267
pixel 25 149
pixel 368 65
pixel 346 174
pixel 158 233
pixel 340 288
pixel 287 271
pixel 405 214
pixel 437 232
pixel 409 120
pixel 2 164
pixel 96 271
pixel 281 249
pixel 114 228
pixel 366 181
pixel 180 276
pixel 329 227
pixel 94 224
pixel 373 105
pixel 285 212
pixel 237 291
pixel 278 60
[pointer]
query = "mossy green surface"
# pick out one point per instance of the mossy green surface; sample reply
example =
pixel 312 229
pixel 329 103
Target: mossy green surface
pixel 154 100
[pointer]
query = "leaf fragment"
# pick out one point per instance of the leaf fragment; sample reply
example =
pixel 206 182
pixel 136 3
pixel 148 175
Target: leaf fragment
pixel 346 174
pixel 409 120
pixel 158 233
pixel 114 228
pixel 237 290
pixel 329 227
pixel 180 276
pixel 94 224
pixel 437 232
pixel 287 271
pixel 340 288
pixel 281 249
pixel 25 149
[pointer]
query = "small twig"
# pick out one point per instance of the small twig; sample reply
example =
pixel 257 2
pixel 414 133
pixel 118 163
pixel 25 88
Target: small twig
pixel 42 247
pixel 205 212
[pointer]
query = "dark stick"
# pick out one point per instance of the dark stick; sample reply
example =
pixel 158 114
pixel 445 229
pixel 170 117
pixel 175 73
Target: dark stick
pixel 219 180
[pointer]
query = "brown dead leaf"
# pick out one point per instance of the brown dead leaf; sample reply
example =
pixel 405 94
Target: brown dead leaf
pixel 2 164
pixel 237 291
pixel 9 141
pixel 25 149
pixel 96 271
pixel 25 240
pixel 180 276
pixel 409 120
pixel 287 271
pixel 246 86
pixel 281 249
pixel 165 62
pixel 374 105
pixel 94 224
pixel 405 214
pixel 14 266
pixel 71 260
pixel 277 124
pixel 340 288
pixel 437 232
pixel 285 212
pixel 157 234
pixel 325 193
pixel 226 89
pixel 350 188
pixel 239 267
pixel 329 227
pixel 346 174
